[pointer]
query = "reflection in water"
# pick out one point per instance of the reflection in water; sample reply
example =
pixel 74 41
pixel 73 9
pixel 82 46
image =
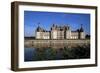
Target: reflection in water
pixel 58 52
pixel 29 53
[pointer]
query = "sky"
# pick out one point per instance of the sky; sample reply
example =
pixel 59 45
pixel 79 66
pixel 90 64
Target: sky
pixel 33 19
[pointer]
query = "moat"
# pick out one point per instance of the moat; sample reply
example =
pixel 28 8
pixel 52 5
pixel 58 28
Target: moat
pixel 41 50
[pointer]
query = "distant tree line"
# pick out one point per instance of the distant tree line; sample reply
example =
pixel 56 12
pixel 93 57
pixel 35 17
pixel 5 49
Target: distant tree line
pixel 87 36
pixel 29 38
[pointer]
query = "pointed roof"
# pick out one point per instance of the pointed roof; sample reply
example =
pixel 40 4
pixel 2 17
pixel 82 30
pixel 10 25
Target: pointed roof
pixel 81 29
pixel 39 29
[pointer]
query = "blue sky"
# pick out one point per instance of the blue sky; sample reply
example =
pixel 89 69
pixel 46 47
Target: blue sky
pixel 46 19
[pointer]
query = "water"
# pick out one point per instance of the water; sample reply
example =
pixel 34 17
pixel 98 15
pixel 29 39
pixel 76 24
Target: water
pixel 29 53
pixel 51 53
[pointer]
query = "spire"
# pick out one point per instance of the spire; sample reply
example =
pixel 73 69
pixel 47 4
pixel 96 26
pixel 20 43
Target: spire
pixel 38 28
pixel 53 25
pixel 81 29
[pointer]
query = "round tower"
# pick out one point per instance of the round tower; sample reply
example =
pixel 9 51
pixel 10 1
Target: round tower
pixel 82 33
pixel 68 33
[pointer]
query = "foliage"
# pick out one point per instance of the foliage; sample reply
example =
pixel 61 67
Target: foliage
pixel 79 52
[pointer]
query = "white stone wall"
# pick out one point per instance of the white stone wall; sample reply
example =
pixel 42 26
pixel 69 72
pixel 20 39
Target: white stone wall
pixel 39 35
pixel 74 35
pixel 82 35
pixel 68 34
pixel 54 34
pixel 46 35
pixel 60 34
pixel 57 34
pixel 42 35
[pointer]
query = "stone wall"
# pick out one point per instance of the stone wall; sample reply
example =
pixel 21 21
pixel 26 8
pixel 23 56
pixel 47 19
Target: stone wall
pixel 56 43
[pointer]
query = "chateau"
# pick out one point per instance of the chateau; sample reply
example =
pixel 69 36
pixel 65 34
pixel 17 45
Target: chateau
pixel 59 32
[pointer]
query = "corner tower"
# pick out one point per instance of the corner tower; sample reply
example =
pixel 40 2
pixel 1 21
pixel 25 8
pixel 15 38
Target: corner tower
pixel 81 32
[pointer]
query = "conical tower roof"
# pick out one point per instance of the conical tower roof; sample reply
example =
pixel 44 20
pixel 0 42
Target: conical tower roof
pixel 81 29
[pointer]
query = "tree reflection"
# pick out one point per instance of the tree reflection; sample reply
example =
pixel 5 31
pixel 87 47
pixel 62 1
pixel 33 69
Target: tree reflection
pixel 50 53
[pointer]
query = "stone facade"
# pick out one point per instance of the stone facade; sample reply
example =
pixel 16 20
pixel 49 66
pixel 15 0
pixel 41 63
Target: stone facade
pixel 60 32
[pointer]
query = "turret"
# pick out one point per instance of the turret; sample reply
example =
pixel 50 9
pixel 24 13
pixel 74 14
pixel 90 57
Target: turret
pixel 81 33
pixel 81 29
pixel 39 32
